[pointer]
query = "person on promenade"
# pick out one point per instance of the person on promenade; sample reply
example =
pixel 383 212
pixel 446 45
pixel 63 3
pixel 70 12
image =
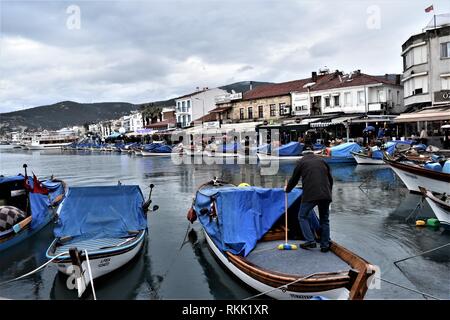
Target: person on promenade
pixel 317 184
pixel 423 136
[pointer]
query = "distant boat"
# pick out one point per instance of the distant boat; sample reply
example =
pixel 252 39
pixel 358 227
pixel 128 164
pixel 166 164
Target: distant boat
pixel 290 151
pixel 414 175
pixel 26 206
pixel 341 153
pixel 50 141
pixel 243 226
pixel 107 222
pixel 439 203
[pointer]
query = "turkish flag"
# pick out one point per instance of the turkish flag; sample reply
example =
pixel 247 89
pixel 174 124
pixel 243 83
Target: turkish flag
pixel 430 8
pixel 38 187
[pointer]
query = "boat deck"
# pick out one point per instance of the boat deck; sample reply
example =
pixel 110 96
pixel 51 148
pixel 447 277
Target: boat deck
pixel 297 262
pixel 92 245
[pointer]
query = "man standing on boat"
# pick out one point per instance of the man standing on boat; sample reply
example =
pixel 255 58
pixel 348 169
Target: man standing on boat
pixel 317 184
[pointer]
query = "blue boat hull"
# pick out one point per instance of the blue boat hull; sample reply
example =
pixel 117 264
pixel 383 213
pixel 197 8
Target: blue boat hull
pixel 25 234
pixel 339 160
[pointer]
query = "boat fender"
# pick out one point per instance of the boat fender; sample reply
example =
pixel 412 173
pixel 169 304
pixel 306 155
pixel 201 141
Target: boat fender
pixel 244 184
pixel 433 222
pixel 328 152
pixel 191 215
pixel 420 223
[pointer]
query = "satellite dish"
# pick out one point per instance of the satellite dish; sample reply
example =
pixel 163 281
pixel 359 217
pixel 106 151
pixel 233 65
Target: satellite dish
pixel 122 130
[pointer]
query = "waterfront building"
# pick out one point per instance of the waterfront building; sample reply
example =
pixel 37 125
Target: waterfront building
pixel 426 80
pixel 194 105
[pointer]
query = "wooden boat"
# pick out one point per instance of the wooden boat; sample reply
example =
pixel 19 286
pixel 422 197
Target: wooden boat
pixel 100 229
pixel 362 158
pixel 414 175
pixel 154 154
pixel 30 207
pixel 300 274
pixel 439 203
pixel 291 151
pixel 268 157
pixel 341 153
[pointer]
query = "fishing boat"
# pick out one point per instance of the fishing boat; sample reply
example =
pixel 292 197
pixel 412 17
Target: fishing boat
pixel 156 149
pixel 244 226
pixel 341 153
pixel 222 150
pixel 431 176
pixel 439 203
pixel 99 230
pixel 290 151
pixel 26 206
pixel 376 155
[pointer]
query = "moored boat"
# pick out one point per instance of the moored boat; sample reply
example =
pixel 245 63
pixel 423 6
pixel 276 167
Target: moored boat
pixel 244 226
pixel 99 230
pixel 26 206
pixel 414 175
pixel 291 151
pixel 439 203
pixel 341 153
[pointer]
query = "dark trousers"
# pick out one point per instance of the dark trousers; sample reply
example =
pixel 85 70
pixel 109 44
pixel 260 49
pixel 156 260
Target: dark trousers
pixel 324 213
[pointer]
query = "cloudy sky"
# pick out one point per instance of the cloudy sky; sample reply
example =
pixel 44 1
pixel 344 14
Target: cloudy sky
pixel 141 51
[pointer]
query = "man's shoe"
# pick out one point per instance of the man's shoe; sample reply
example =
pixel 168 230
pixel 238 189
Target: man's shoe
pixel 324 249
pixel 308 245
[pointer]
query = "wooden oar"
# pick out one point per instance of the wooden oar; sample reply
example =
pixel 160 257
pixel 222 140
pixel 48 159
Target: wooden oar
pixel 22 224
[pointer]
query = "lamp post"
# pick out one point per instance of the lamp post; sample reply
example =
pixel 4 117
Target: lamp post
pixel 203 108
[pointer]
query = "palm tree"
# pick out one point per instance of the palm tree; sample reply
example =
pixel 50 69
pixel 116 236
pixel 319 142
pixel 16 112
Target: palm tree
pixel 150 113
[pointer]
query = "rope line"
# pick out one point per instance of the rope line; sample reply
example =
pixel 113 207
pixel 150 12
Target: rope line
pixel 90 274
pixel 410 289
pixel 417 255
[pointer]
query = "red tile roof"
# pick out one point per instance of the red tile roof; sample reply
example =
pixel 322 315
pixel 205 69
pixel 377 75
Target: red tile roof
pixel 207 118
pixel 160 124
pixel 323 82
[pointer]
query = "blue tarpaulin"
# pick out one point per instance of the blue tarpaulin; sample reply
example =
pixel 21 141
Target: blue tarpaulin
pixel 344 150
pixel 392 145
pixel 39 203
pixel 291 149
pixel 99 212
pixel 244 214
pixel 230 148
pixel 162 149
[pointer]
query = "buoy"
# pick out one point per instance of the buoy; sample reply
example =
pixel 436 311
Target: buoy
pixel 420 223
pixel 433 222
pixel 243 184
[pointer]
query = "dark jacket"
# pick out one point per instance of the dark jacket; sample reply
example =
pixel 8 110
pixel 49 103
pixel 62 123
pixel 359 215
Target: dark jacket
pixel 317 181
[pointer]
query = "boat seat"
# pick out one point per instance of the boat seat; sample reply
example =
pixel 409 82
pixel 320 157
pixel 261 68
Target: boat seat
pixel 9 216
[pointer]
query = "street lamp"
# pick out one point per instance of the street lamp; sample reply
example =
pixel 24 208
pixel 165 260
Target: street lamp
pixel 203 104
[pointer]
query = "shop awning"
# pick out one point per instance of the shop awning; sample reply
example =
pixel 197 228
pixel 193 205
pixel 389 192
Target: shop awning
pixel 343 119
pixel 426 114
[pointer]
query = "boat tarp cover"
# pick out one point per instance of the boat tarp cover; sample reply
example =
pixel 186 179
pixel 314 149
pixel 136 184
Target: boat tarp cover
pixel 390 146
pixel 162 149
pixel 99 212
pixel 344 150
pixel 244 214
pixel 291 149
pixel 230 148
pixel 39 203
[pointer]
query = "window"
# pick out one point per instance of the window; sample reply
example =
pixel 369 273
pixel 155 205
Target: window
pixel 348 99
pixel 336 101
pixel 327 101
pixel 416 85
pixel 183 106
pixel 188 119
pixel 228 115
pixel 380 95
pixel 415 56
pixel 273 110
pixel 445 50
pixel 178 106
pixel 398 96
pixel 188 105
pixel 445 83
pixel 250 112
pixel 281 109
pixel 361 98
pixel 260 112
pixel 241 113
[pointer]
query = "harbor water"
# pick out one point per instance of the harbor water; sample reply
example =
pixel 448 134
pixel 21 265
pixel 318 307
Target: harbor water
pixel 368 215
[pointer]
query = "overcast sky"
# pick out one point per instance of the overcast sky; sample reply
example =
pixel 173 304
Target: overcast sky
pixel 141 51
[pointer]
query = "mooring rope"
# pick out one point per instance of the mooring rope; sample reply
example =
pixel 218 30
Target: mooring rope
pixel 422 253
pixel 410 289
pixel 90 274
pixel 35 270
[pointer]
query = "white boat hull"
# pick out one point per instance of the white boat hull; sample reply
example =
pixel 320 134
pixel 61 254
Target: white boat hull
pixel 154 154
pixel 441 214
pixel 280 294
pixel 413 181
pixel 221 154
pixel 367 160
pixel 268 157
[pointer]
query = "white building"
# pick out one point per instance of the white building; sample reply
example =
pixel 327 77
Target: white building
pixel 193 106
pixel 426 65
pixel 351 94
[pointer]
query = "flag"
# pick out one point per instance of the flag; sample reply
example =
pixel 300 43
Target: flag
pixel 38 187
pixel 430 8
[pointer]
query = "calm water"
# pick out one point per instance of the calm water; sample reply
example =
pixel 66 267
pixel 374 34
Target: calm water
pixel 368 216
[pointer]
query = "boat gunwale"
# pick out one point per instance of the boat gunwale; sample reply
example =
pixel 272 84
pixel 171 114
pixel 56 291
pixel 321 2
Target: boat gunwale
pixel 418 170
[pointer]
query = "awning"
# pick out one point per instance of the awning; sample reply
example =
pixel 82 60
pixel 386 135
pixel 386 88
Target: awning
pixel 426 114
pixel 374 118
pixel 240 127
pixel 343 119
pixel 220 109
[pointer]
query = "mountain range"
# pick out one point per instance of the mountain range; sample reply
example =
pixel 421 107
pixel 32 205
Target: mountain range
pixel 70 113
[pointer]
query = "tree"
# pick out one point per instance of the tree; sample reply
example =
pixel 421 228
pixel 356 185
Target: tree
pixel 150 113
